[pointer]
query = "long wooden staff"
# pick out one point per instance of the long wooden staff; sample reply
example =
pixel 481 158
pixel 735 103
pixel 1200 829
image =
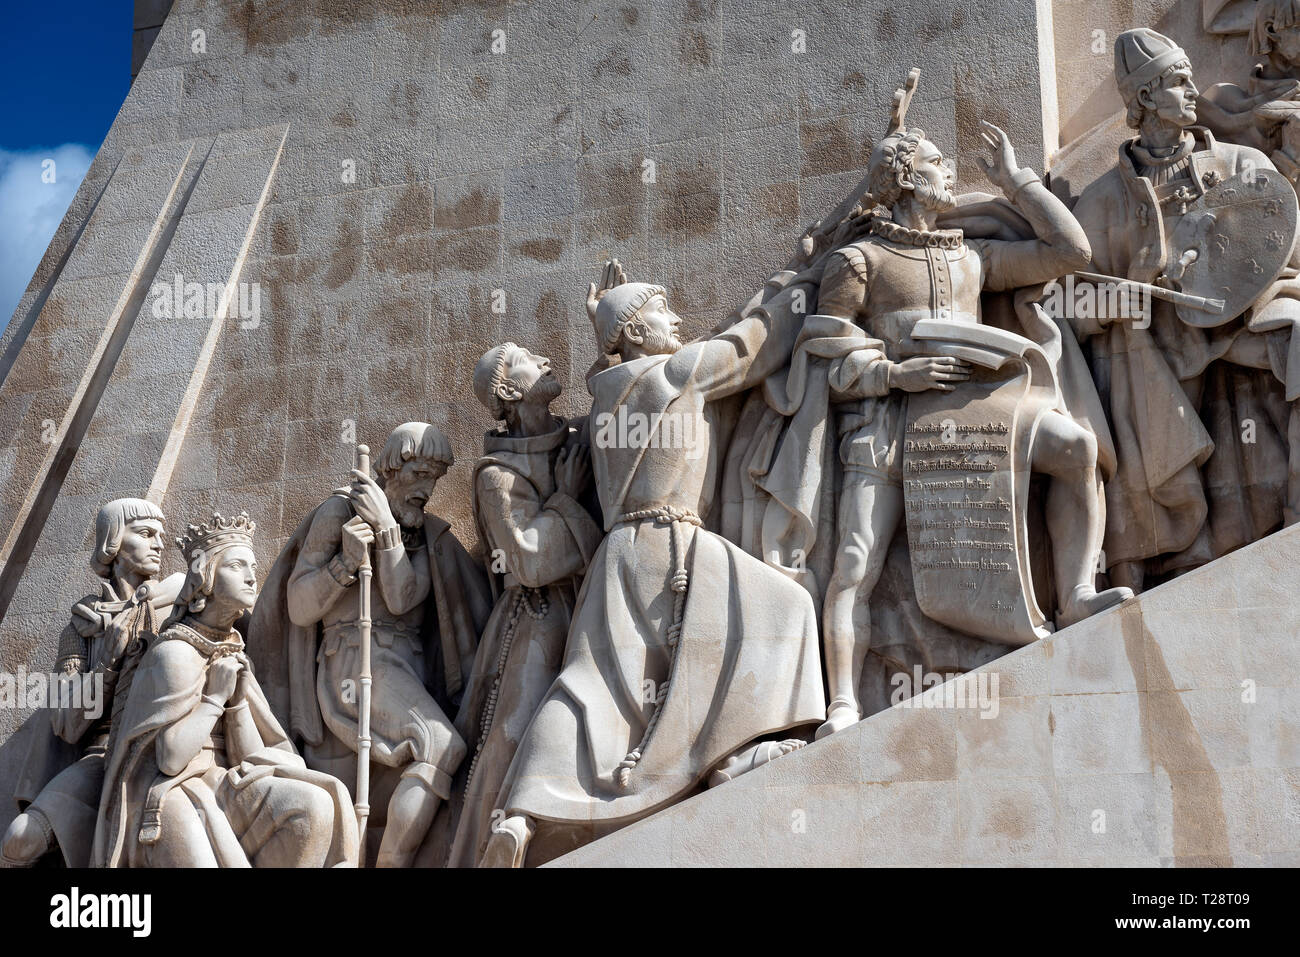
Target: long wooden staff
pixel 364 573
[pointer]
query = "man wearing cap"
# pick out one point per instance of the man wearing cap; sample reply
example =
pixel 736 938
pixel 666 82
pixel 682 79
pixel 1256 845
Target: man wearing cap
pixel 688 659
pixel 1204 419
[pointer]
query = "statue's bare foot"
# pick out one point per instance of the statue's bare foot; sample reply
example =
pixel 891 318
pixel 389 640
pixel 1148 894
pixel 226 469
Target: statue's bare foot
pixel 839 715
pixel 1086 601
pixel 508 845
pixel 750 757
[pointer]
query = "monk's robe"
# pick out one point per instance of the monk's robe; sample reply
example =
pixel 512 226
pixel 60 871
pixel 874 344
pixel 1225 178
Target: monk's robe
pixel 683 647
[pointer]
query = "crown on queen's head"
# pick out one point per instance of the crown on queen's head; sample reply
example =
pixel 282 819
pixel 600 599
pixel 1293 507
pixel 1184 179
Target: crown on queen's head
pixel 215 534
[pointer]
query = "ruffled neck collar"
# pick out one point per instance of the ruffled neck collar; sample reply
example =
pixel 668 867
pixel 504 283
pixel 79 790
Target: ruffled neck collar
pixel 907 236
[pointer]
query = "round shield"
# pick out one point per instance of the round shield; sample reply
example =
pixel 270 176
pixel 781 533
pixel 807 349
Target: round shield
pixel 1230 245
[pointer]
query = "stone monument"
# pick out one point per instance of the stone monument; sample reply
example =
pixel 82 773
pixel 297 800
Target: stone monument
pixel 951 516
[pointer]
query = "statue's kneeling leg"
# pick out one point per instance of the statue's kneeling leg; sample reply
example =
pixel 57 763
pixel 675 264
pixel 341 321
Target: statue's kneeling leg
pixel 1076 520
pixel 27 840
pixel 437 750
pixel 281 822
pixel 183 840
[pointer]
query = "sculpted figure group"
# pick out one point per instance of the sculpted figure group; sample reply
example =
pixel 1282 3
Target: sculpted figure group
pixel 687 583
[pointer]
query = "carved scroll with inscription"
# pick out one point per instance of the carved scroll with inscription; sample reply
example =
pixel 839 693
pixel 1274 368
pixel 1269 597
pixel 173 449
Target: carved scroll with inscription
pixel 966 472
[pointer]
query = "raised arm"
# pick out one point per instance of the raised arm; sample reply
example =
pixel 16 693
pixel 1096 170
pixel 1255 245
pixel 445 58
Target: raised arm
pixel 1060 245
pixel 745 354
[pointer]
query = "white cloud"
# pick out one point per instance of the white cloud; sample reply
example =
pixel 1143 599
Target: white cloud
pixel 31 210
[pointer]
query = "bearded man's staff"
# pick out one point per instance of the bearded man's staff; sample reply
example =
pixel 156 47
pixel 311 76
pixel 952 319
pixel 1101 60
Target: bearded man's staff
pixel 364 573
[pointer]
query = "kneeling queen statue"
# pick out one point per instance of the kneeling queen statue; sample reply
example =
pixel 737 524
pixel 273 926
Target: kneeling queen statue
pixel 200 773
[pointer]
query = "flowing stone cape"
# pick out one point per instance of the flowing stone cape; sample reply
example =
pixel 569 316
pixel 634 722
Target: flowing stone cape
pixel 166 685
pixel 1158 503
pixel 782 469
pixel 748 661
pixel 285 653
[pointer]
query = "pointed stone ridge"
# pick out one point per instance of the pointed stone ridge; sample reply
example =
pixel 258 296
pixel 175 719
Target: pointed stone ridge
pixel 1165 732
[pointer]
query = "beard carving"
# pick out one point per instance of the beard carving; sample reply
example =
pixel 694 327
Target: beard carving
pixel 934 197
pixel 660 343
pixel 544 391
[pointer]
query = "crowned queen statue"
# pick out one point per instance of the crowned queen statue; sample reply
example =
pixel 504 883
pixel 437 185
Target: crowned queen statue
pixel 200 773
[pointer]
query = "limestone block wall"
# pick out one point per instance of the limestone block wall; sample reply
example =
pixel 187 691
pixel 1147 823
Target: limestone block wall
pixel 148 20
pixel 1084 34
pixel 406 184
pixel 1165 732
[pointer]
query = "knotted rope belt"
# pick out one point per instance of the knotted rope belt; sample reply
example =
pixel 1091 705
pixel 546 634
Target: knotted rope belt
pixel 674 518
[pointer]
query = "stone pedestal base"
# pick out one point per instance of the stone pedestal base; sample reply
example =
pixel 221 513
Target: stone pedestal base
pixel 1164 732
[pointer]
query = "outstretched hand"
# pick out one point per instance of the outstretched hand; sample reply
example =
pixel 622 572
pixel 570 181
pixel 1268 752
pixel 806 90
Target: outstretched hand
pixel 613 275
pixel 1000 164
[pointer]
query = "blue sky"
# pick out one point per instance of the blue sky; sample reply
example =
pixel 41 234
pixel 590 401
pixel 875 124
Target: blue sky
pixel 65 68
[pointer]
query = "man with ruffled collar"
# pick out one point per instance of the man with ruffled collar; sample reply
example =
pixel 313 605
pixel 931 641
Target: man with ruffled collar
pixel 903 270
pixel 58 791
pixel 200 773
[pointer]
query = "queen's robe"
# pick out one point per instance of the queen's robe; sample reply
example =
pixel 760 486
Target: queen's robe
pixel 257 804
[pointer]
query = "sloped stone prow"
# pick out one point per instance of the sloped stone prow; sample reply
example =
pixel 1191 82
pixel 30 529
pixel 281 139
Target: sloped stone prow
pixel 1164 732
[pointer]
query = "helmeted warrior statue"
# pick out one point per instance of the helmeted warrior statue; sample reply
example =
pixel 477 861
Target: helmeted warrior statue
pixel 200 773
pixel 58 792
pixel 430 604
